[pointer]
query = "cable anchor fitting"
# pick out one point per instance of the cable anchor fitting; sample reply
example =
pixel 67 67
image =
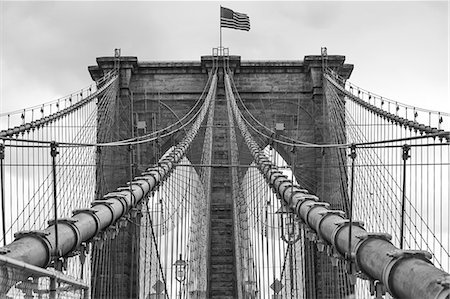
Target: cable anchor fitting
pixel 54 149
pixel 2 151
pixel 352 151
pixel 406 148
pixel 444 281
pixel 4 250
pixel 377 288
pixel 293 149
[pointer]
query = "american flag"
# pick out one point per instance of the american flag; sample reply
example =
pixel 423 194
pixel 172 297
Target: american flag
pixel 234 20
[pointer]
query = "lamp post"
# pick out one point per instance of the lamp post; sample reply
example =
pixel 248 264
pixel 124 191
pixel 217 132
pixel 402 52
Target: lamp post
pixel 290 230
pixel 180 268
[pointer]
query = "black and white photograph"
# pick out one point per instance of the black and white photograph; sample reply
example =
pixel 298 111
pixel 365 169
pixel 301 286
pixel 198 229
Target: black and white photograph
pixel 235 149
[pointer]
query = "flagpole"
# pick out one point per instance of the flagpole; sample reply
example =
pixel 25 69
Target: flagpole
pixel 220 26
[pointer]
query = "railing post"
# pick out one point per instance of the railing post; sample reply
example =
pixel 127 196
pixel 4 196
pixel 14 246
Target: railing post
pixel 405 157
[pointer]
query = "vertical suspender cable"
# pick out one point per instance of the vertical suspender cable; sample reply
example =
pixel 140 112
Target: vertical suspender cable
pixel 405 157
pixel 2 190
pixel 53 153
pixel 350 210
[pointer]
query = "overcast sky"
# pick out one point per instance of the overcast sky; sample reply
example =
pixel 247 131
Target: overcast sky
pixel 400 49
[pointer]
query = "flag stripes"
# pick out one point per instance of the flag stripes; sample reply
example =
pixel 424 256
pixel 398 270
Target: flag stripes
pixel 234 20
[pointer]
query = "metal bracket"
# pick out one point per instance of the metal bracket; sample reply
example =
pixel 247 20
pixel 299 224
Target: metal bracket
pixel 275 176
pixel 147 180
pixel 26 233
pixel 89 211
pixel 352 270
pixel 113 231
pixel 314 205
pixel 352 154
pixel 296 190
pixel 99 239
pixel 152 171
pixel 346 221
pixel 62 220
pixel 310 234
pixel 123 221
pixel 54 149
pixel 324 215
pixel 122 189
pixel 133 212
pixel 105 202
pixel 129 190
pixel 377 288
pixel 350 266
pixel 321 245
pixel 120 197
pixel 333 212
pixel 363 239
pixel 397 256
pixel 114 194
pixel 303 198
pixel 306 192
pixel 405 152
pixel 2 151
pixel 273 171
pixel 383 236
pixel 421 254
pixel 352 278
pixel 84 250
pixel 313 198
pixel 136 183
pixel 284 181
pixel 444 281
pixel 40 235
pixel 334 255
pixel 71 223
pixel 4 250
pixel 268 165
pixel 339 226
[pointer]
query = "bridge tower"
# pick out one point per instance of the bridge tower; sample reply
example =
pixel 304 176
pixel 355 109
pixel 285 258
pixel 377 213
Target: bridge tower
pixel 288 97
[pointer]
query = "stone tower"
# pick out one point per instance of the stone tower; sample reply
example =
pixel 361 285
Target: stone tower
pixel 285 95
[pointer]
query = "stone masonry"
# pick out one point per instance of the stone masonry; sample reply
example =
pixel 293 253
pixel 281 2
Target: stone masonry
pixel 280 93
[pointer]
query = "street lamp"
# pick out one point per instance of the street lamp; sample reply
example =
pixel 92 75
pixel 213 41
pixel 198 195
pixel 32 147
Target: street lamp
pixel 180 268
pixel 290 230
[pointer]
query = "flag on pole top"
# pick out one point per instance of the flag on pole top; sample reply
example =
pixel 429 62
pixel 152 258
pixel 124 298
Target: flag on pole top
pixel 233 20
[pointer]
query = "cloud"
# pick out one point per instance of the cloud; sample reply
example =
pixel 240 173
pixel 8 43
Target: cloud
pixel 47 46
pixel 312 15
